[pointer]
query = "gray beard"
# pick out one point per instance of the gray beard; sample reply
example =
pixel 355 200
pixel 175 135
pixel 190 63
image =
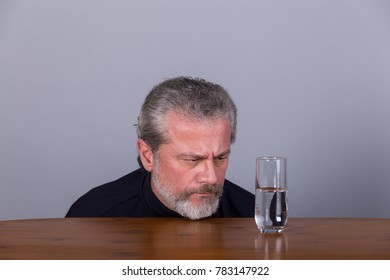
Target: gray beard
pixel 182 205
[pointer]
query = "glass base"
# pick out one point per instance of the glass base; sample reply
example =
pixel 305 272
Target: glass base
pixel 271 229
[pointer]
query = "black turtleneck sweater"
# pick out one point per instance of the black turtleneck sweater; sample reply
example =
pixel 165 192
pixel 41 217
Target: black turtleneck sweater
pixel 132 196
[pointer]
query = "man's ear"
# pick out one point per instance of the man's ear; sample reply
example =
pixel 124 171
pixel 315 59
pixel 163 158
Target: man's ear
pixel 145 154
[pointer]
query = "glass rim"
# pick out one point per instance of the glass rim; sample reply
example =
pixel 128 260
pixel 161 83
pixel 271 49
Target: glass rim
pixel 271 158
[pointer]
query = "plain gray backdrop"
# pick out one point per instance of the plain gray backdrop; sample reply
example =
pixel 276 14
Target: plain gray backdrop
pixel 311 80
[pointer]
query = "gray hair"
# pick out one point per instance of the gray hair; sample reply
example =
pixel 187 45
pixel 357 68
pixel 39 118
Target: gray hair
pixel 194 98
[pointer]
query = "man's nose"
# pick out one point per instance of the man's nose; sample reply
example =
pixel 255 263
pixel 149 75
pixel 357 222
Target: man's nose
pixel 209 173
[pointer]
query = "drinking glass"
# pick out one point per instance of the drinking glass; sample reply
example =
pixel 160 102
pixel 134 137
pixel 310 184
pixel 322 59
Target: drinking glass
pixel 271 194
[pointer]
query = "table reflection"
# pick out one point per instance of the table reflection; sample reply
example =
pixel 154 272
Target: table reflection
pixel 171 239
pixel 271 246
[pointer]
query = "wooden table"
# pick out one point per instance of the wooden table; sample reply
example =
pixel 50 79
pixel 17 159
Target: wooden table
pixel 164 238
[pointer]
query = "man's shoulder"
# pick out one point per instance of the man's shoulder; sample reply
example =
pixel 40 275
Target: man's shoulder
pixel 121 186
pixel 102 199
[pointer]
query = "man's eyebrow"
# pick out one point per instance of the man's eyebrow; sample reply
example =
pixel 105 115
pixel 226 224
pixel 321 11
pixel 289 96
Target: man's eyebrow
pixel 191 155
pixel 200 156
pixel 225 153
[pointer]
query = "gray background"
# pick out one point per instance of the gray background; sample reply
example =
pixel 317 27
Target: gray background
pixel 311 80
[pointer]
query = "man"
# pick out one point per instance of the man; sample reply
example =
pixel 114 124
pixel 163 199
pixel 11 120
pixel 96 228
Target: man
pixel 185 129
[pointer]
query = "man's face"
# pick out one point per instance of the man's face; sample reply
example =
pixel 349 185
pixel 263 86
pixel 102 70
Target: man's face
pixel 189 171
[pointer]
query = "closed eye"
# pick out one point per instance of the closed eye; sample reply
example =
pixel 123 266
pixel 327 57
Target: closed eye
pixel 221 160
pixel 192 161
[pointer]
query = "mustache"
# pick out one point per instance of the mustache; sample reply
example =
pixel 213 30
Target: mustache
pixel 206 189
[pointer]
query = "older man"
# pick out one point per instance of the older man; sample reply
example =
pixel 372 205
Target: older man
pixel 185 130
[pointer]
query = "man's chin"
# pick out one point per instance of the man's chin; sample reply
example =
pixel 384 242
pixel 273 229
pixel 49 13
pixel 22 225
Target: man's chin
pixel 199 206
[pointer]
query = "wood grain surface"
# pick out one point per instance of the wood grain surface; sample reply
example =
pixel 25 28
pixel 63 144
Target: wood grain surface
pixel 167 238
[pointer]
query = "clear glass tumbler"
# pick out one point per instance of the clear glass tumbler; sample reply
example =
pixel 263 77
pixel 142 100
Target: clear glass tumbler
pixel 271 194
